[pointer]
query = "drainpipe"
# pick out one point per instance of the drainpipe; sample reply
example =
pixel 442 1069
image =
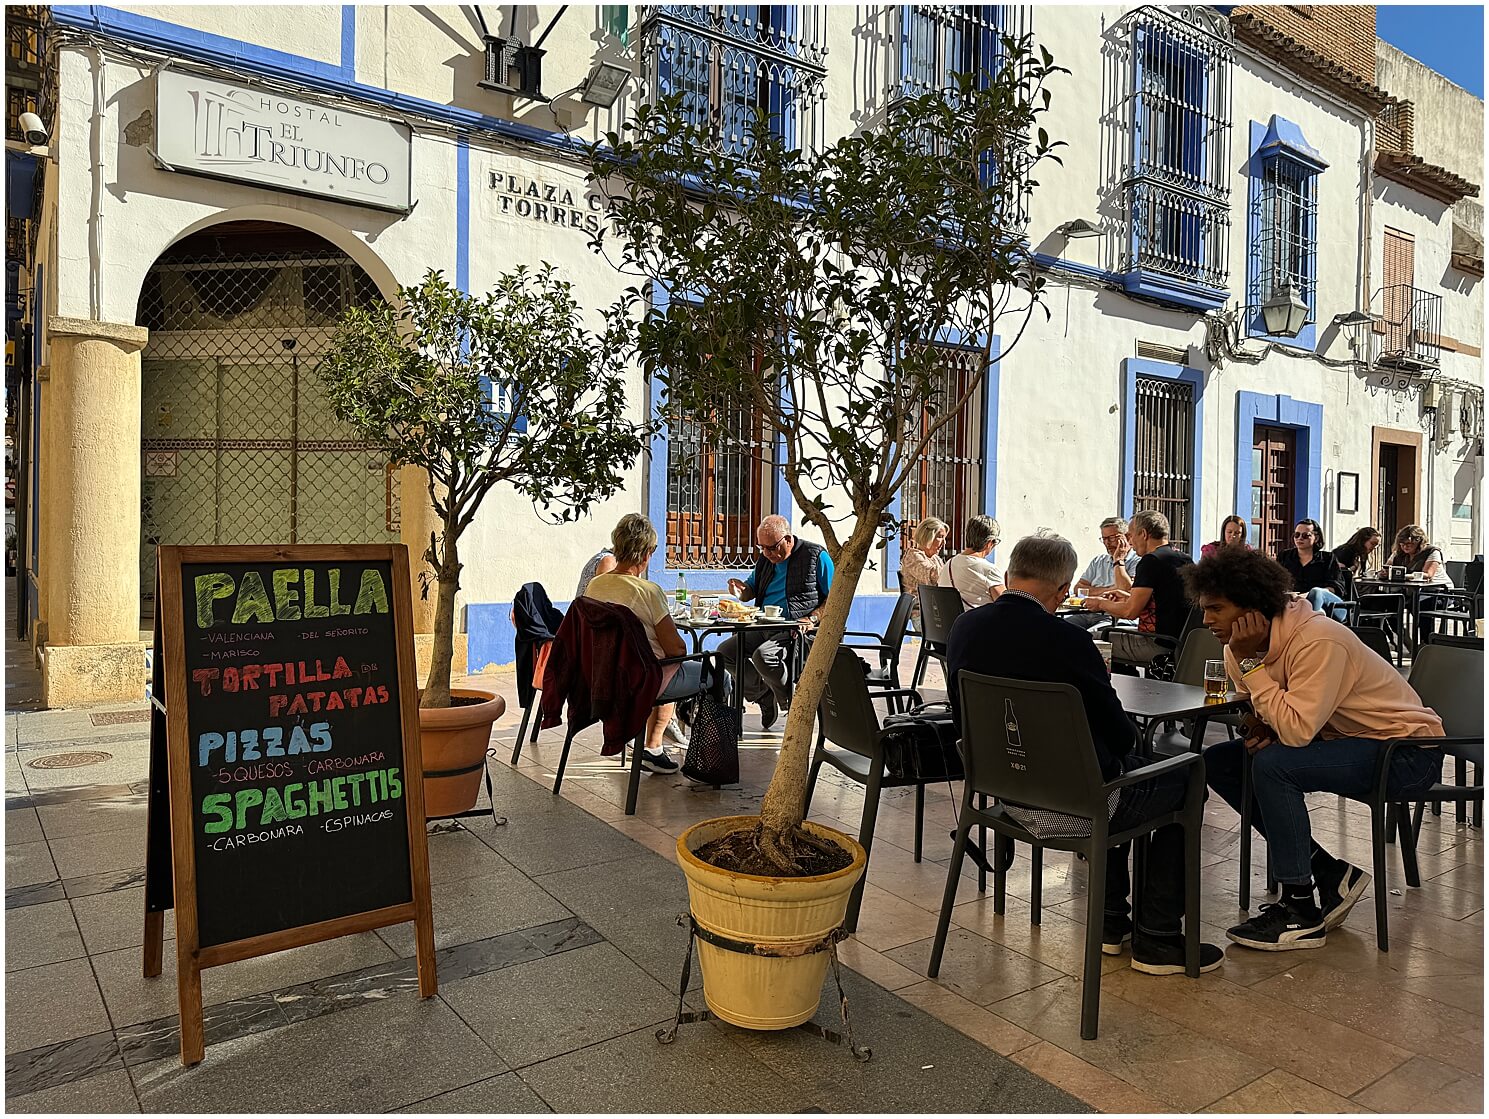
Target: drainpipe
pixel 95 233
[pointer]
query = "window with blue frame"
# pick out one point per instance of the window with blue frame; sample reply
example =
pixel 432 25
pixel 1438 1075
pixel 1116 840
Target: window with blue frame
pixel 1175 179
pixel 738 64
pixel 1283 222
pixel 939 41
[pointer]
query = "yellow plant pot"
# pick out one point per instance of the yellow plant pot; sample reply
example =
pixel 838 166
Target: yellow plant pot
pixel 764 992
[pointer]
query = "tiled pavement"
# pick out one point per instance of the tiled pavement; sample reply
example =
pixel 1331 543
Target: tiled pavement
pixel 559 956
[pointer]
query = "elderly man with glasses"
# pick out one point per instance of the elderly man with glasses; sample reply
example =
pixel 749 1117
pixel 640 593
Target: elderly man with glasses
pixel 796 576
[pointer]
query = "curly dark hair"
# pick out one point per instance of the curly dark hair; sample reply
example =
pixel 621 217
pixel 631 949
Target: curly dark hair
pixel 1248 579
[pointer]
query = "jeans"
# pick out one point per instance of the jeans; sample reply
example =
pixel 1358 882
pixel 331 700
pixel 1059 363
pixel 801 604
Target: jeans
pixel 767 664
pixel 1282 775
pixel 1324 600
pixel 1162 912
pixel 686 681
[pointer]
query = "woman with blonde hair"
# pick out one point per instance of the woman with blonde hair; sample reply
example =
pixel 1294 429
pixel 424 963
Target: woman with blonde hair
pixel 633 542
pixel 920 560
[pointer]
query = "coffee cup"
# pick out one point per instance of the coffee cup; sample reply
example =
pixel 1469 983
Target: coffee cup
pixel 771 611
pixel 700 611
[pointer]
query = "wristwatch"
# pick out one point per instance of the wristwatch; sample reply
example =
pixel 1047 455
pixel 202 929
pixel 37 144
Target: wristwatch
pixel 1250 664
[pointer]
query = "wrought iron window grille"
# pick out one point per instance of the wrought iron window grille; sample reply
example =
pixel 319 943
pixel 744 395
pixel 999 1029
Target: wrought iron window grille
pixel 947 481
pixel 1163 461
pixel 1285 221
pixel 739 66
pixel 1175 120
pixel 1409 328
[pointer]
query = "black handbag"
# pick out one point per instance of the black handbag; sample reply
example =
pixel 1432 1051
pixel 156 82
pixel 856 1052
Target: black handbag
pixel 921 744
pixel 713 744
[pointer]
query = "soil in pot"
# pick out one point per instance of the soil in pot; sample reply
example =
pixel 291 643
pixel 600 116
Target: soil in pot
pixel 739 851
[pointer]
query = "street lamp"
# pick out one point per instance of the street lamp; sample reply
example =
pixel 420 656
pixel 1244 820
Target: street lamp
pixel 1285 314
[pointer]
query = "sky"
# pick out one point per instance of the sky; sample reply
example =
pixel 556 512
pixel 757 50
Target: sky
pixel 1448 38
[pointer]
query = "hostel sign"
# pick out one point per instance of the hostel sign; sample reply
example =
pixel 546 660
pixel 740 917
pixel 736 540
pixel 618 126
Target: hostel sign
pixel 232 131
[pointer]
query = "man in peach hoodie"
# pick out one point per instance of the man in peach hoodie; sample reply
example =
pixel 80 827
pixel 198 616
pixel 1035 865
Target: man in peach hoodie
pixel 1324 706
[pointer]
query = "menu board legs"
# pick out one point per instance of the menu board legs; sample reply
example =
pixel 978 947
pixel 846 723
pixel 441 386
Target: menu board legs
pixel 286 787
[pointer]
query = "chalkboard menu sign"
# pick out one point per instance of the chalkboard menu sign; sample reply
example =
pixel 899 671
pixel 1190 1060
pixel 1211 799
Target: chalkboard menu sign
pixel 295 793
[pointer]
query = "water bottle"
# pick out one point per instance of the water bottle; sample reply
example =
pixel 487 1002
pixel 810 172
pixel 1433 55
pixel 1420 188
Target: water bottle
pixel 682 589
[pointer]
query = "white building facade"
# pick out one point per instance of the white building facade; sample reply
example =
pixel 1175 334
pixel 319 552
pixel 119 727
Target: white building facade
pixel 220 182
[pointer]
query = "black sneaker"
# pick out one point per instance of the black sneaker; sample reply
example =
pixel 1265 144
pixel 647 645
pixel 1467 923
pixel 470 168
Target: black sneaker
pixel 1164 955
pixel 1282 926
pixel 768 711
pixel 657 761
pixel 1115 931
pixel 1338 896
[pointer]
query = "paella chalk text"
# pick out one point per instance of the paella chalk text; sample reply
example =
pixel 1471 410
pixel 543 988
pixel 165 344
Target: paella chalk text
pixel 292 594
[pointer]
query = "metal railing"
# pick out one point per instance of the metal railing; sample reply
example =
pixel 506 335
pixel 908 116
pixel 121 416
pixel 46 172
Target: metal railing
pixel 1163 458
pixel 1409 326
pixel 735 65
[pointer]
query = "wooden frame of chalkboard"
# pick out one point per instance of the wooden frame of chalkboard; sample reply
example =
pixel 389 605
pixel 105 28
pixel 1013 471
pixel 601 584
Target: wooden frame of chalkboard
pixel 270 619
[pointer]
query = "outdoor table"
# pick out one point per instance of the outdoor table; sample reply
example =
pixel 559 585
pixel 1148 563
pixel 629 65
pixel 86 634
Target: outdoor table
pixel 1152 702
pixel 1411 603
pixel 698 630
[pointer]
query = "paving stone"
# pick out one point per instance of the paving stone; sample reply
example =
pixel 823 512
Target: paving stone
pixel 38 894
pixel 41 934
pixel 699 1073
pixel 107 1093
pixel 105 882
pixel 468 909
pixel 133 999
pixel 116 919
pixel 457 855
pixel 22 826
pixel 507 1094
pixel 105 814
pixel 28 864
pixel 130 761
pixel 373 1058
pixel 52 1003
pixel 560 839
pixel 62 1063
pixel 537 1010
pixel 80 856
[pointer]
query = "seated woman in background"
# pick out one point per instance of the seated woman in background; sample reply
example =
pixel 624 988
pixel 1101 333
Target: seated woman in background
pixel 1316 574
pixel 1416 554
pixel 920 561
pixel 633 542
pixel 970 572
pixel 1354 554
pixel 1232 531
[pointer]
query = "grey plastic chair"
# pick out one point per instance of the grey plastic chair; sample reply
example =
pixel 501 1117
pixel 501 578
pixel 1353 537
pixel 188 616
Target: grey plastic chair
pixel 846 718
pixel 939 608
pixel 888 646
pixel 1043 757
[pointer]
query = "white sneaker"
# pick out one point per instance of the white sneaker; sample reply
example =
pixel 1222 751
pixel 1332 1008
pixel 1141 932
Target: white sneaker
pixel 674 733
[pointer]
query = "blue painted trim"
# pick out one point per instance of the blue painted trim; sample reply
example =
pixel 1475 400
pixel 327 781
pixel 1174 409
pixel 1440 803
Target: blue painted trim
pixel 892 552
pixel 349 42
pixel 1307 339
pixel 462 214
pixel 992 392
pixel 1131 367
pixel 1169 289
pixel 1284 138
pixel 184 42
pixel 1307 420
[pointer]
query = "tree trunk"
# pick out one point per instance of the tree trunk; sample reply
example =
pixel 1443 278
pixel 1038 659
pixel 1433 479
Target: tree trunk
pixel 784 806
pixel 442 654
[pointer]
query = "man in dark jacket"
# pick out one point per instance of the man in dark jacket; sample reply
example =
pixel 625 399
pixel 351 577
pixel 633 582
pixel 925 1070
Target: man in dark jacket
pixel 796 576
pixel 1018 636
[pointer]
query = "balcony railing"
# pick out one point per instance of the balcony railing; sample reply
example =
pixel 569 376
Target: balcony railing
pixel 1409 327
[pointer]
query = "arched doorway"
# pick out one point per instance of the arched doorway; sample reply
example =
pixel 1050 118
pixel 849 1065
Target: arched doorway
pixel 240 445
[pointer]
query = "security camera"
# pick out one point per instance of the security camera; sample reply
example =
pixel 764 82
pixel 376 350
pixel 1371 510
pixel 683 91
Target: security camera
pixel 33 129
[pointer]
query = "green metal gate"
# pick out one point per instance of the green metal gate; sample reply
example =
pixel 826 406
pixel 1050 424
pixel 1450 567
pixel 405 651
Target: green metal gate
pixel 240 445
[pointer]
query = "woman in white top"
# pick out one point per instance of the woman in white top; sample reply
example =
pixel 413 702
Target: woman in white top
pixel 969 571
pixel 633 542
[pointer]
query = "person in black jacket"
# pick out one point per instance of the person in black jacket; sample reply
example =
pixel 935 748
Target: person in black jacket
pixel 1317 575
pixel 1018 636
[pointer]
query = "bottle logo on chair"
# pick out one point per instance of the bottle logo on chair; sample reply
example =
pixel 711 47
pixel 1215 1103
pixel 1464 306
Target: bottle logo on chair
pixel 1011 734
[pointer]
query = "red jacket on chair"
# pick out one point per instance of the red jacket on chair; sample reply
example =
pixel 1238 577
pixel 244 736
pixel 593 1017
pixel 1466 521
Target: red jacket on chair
pixel 602 666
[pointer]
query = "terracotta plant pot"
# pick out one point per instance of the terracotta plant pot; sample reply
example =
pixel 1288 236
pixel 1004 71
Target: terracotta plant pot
pixel 764 992
pixel 452 742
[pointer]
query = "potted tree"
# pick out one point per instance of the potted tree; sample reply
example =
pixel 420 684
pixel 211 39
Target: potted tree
pixel 816 288
pixel 481 390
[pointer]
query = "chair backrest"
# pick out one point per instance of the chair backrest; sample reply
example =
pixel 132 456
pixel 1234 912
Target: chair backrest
pixel 1374 639
pixel 1459 641
pixel 1450 680
pixel 894 632
pixel 846 710
pixel 1473 575
pixel 1458 572
pixel 1028 743
pixel 1200 645
pixel 939 607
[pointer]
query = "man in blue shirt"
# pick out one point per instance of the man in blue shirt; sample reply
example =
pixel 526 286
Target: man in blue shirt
pixel 796 576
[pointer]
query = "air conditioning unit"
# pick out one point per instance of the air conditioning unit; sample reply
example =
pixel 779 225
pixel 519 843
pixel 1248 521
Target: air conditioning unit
pixel 1453 413
pixel 513 67
pixel 1431 396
